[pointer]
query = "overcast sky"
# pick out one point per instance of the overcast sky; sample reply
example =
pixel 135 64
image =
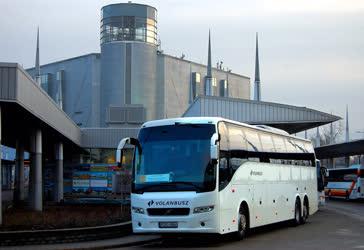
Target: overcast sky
pixel 311 51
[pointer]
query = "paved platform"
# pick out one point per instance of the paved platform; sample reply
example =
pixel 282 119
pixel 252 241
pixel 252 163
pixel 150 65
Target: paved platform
pixel 131 240
pixel 335 227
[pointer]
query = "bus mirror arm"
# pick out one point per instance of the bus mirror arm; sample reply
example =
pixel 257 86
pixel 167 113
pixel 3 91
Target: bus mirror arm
pixel 121 146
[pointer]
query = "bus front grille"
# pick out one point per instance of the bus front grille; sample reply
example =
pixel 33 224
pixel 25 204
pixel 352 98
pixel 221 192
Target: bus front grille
pixel 168 211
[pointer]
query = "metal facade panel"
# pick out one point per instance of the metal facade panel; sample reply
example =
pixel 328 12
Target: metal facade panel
pixel 128 74
pixel 144 87
pixel 40 104
pixel 177 84
pixel 81 87
pixel 12 83
pixel 5 83
pixel 106 137
pixel 112 75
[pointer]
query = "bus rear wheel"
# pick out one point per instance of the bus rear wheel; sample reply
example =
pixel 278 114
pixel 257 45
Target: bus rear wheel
pixel 243 225
pixel 297 214
pixel 305 212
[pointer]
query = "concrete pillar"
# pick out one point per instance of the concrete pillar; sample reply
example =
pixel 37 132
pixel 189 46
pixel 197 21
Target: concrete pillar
pixel 58 194
pixel 347 161
pixel 37 173
pixel 19 193
pixel 331 163
pixel 31 169
pixel 1 200
pixel 318 138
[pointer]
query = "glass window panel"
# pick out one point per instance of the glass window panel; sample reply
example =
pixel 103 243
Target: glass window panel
pixel 279 144
pixel 128 28
pixel 291 148
pixel 150 22
pixel 151 40
pixel 300 146
pixel 252 139
pixel 267 142
pixel 236 138
pixel 309 147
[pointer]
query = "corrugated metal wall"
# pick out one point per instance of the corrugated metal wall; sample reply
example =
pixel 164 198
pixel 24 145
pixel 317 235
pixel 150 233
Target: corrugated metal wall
pixel 106 137
pixel 253 111
pixel 7 82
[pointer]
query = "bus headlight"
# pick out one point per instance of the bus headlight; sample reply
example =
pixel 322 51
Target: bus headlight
pixel 137 210
pixel 203 209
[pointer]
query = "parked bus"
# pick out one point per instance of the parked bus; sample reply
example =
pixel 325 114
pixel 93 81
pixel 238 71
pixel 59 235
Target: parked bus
pixel 321 180
pixel 346 183
pixel 212 175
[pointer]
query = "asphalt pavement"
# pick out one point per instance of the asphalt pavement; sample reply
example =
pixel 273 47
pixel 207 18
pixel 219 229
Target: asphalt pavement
pixel 339 225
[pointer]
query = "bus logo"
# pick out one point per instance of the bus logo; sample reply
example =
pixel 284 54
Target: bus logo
pixel 150 203
pixel 256 172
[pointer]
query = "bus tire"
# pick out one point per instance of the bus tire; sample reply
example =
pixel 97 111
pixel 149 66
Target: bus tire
pixel 305 211
pixel 243 224
pixel 297 213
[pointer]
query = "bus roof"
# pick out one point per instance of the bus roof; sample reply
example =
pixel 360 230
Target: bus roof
pixel 215 120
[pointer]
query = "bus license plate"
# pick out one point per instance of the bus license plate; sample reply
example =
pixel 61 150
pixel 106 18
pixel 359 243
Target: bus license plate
pixel 168 225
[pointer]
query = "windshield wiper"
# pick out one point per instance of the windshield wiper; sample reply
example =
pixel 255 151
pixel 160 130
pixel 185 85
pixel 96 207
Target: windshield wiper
pixel 187 183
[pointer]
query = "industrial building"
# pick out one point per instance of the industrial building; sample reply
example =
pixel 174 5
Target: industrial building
pixel 84 105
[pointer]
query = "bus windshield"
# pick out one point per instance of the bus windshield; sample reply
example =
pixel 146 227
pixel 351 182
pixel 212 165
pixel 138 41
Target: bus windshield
pixel 174 158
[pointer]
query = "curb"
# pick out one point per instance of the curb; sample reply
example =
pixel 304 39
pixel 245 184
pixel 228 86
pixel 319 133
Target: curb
pixel 118 245
pixel 67 235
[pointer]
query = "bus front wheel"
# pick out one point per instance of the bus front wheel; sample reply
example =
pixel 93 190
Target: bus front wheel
pixel 243 224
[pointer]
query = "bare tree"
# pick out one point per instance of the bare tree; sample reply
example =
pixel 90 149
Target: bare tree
pixel 325 133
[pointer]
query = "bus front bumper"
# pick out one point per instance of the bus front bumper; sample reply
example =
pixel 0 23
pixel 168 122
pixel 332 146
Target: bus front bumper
pixel 193 223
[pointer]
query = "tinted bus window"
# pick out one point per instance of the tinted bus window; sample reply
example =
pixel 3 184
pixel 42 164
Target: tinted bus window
pixel 252 139
pixel 267 142
pixel 290 145
pixel 224 170
pixel 309 147
pixel 236 138
pixel 342 175
pixel 279 144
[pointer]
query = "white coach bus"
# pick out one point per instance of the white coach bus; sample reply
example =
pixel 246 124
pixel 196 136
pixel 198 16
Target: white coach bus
pixel 212 175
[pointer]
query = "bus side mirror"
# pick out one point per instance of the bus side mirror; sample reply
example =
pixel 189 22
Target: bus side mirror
pixel 121 146
pixel 214 149
pixel 214 153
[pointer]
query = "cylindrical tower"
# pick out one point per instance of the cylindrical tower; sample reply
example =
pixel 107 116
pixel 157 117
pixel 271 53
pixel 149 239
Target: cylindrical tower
pixel 128 59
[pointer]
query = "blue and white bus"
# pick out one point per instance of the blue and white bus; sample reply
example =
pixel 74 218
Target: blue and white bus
pixel 213 175
pixel 346 183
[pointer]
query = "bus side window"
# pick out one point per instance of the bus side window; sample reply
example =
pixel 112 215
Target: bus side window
pixel 235 163
pixel 254 159
pixel 224 171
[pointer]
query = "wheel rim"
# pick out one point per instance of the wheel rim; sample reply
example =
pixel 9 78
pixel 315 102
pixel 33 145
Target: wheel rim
pixel 305 211
pixel 242 223
pixel 297 213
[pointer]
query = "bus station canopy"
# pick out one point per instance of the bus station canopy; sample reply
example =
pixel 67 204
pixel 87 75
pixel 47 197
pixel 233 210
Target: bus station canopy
pixel 355 147
pixel 290 118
